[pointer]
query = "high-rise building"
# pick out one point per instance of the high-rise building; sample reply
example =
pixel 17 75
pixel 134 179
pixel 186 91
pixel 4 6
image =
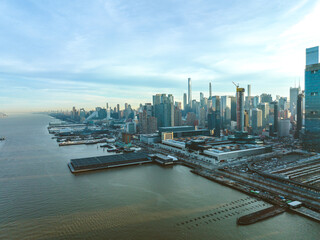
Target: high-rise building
pixel 214 122
pixel 299 115
pixel 255 101
pixel 274 115
pixel 225 111
pixel 210 91
pixel 131 127
pixel 256 120
pixel 282 103
pixel 164 111
pixel 233 109
pixel 184 101
pixel 189 93
pixel 264 107
pixel 312 55
pixel 202 117
pixel 294 92
pixel 249 90
pixel 265 98
pixel 147 123
pixel 201 99
pixel 191 119
pixel 312 99
pixel 177 116
pixel 240 109
pixel 156 99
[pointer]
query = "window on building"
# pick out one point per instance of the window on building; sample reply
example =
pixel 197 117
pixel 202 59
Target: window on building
pixel 313 112
pixel 314 93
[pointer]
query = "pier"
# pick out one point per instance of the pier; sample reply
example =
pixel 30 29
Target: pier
pixel 260 215
pixel 110 161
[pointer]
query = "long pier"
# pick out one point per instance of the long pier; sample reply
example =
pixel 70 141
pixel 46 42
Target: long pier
pixel 260 215
pixel 110 161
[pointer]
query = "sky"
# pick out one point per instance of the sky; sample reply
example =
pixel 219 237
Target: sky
pixel 55 54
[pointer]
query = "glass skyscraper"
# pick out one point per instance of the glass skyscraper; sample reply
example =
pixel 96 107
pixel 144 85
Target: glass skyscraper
pixel 312 100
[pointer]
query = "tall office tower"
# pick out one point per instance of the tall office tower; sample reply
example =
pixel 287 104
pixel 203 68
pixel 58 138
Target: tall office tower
pixel 156 99
pixel 274 115
pixel 255 101
pixel 299 115
pixel 256 120
pixel 282 103
pixel 164 111
pixel 184 101
pixel 211 119
pixel 147 123
pixel 215 117
pixel 143 126
pixel 189 93
pixel 178 104
pixel 107 106
pixel 240 109
pixel 246 121
pixel 177 116
pixel 125 106
pixel 233 108
pixel 191 119
pixel 294 92
pixel 265 98
pixel 201 99
pixel 202 117
pixel 170 98
pixel 210 91
pixel 118 108
pixel 249 90
pixel 312 100
pixel 312 55
pixel 225 111
pixel 264 107
pixel 152 124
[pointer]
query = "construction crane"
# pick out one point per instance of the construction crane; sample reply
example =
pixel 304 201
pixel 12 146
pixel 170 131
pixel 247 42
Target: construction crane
pixel 237 85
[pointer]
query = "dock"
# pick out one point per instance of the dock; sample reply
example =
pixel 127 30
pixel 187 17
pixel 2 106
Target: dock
pixel 313 215
pixel 110 161
pixel 260 215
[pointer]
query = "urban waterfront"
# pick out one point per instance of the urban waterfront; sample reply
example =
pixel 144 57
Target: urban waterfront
pixel 41 199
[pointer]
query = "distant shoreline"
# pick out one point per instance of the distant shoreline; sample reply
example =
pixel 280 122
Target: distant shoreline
pixel 3 115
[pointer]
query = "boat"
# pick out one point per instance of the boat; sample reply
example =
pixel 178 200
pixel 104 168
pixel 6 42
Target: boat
pixel 128 150
pixel 113 150
pixel 2 138
pixel 106 145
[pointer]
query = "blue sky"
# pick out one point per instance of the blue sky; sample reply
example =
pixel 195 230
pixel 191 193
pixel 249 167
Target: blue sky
pixel 58 54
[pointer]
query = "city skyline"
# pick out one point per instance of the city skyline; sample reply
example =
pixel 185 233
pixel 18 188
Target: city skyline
pixel 85 54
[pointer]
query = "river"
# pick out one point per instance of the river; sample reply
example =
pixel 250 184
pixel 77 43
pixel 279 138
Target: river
pixel 41 199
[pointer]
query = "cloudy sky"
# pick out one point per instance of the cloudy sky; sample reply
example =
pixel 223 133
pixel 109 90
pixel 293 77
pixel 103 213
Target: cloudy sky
pixel 55 54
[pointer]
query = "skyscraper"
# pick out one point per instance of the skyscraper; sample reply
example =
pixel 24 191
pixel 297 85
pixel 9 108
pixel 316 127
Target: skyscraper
pixel 210 91
pixel 312 55
pixel 265 98
pixel 225 111
pixel 184 101
pixel 299 115
pixel 249 90
pixel 256 120
pixel 201 99
pixel 240 109
pixel 294 92
pixel 164 111
pixel 189 93
pixel 312 99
